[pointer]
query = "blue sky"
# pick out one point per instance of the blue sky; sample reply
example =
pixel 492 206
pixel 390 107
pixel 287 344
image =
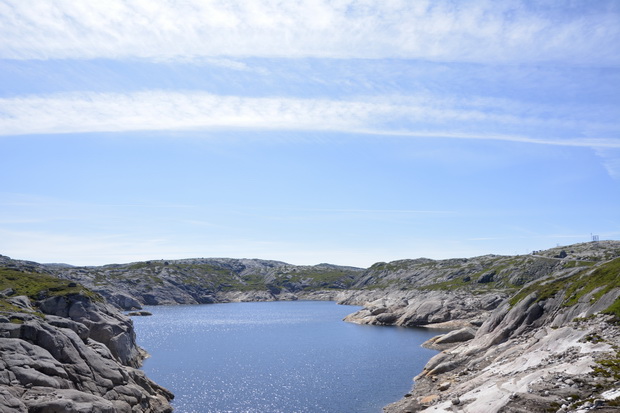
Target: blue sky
pixel 341 131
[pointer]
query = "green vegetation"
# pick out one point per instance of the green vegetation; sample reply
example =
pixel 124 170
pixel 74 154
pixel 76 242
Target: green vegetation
pixel 605 278
pixel 574 264
pixel 608 367
pixel 6 307
pixel 140 266
pixel 614 310
pixel 543 289
pixel 395 266
pixel 594 338
pixel 225 277
pixel 600 281
pixel 37 286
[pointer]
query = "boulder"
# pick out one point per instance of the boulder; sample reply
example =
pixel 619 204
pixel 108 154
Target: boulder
pixel 378 310
pixel 386 318
pixel 444 386
pixel 486 277
pixel 22 302
pixel 139 313
pixel 456 336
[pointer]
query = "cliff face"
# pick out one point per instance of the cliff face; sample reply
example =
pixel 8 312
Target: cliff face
pixel 65 350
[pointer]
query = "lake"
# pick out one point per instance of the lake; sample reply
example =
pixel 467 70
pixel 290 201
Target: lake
pixel 278 357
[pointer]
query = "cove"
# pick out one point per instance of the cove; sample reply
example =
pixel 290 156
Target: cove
pixel 278 357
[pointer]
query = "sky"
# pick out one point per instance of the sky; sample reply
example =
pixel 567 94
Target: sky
pixel 306 131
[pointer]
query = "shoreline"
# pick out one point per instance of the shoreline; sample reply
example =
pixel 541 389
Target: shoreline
pixel 195 311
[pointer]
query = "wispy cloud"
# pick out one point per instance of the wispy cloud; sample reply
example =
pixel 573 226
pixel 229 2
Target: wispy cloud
pixel 425 116
pixel 611 160
pixel 483 31
pixel 596 143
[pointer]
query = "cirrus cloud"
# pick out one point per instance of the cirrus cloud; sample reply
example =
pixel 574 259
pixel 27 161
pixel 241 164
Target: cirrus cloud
pixel 474 31
pixel 423 116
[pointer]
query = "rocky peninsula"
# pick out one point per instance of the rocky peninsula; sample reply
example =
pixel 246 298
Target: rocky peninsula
pixel 535 333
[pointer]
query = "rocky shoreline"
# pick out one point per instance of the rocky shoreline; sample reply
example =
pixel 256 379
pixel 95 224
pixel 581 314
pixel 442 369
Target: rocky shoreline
pixel 532 357
pixel 538 333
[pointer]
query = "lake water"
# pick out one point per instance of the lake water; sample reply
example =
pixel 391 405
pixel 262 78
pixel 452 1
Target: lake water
pixel 278 357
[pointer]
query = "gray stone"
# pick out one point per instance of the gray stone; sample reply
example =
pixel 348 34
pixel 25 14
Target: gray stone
pixel 378 310
pixel 457 336
pixel 80 329
pixel 22 302
pixel 139 313
pixel 486 277
pixel 43 400
pixel 7 292
pixel 387 318
pixel 10 402
pixel 444 386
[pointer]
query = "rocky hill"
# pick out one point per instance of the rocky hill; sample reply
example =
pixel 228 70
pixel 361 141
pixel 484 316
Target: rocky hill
pixel 205 281
pixel 535 333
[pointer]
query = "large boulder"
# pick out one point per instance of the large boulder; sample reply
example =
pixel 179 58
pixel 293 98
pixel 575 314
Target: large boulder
pixel 456 336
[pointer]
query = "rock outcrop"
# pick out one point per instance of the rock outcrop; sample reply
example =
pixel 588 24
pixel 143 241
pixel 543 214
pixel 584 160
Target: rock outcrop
pixel 69 351
pixel 415 308
pixel 554 346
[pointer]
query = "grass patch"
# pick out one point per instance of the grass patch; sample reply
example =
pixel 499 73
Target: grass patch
pixel 544 290
pixel 38 286
pixel 614 310
pixel 575 264
pixel 6 307
pixel 608 367
pixel 603 279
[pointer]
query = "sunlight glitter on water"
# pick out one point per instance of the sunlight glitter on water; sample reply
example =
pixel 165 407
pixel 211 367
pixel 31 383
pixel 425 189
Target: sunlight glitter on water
pixel 278 357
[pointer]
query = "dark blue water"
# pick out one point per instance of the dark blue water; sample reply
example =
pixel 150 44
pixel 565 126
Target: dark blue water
pixel 278 357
